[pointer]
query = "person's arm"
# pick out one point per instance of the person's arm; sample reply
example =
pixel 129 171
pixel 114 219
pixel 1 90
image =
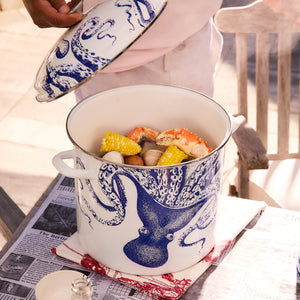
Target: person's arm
pixel 290 8
pixel 51 13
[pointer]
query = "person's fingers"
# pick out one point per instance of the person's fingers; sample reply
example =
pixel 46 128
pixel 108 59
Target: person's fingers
pixel 62 20
pixel 60 5
pixel 44 14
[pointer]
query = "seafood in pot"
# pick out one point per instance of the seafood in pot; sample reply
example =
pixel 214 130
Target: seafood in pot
pixel 141 133
pixel 146 146
pixel 152 156
pixel 185 140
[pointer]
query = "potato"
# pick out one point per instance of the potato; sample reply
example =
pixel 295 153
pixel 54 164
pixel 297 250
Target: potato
pixel 134 160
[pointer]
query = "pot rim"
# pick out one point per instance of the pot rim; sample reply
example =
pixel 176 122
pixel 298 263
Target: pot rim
pixel 195 160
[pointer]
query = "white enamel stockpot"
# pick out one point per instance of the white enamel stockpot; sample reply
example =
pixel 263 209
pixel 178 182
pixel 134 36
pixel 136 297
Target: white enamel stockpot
pixel 146 220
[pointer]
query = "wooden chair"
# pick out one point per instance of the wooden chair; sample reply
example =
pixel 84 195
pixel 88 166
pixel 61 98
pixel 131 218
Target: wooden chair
pixel 279 185
pixel 11 215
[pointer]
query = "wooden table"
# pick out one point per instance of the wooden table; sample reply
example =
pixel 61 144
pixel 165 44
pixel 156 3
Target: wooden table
pixel 261 263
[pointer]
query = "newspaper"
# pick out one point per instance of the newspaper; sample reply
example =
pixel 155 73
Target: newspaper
pixel 30 259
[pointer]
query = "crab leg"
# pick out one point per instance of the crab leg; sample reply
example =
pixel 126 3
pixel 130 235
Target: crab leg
pixel 185 140
pixel 140 133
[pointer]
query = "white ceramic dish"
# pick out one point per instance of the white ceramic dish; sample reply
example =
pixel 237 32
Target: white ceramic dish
pixel 104 33
pixel 56 285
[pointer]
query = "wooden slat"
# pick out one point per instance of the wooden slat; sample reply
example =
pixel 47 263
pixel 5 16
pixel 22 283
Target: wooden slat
pixel 281 156
pixel 242 73
pixel 262 86
pixel 254 18
pixel 284 90
pixel 251 148
pixel 243 179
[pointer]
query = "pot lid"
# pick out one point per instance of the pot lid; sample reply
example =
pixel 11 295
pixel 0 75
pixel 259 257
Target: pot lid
pixel 103 34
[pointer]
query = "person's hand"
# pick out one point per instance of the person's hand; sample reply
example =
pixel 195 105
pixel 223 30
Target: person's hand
pixel 290 8
pixel 51 13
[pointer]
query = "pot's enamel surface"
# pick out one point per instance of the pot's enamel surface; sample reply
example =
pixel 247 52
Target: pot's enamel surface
pixel 150 221
pixel 104 33
pixel 147 220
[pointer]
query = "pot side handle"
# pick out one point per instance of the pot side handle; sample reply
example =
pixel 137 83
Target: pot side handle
pixel 64 169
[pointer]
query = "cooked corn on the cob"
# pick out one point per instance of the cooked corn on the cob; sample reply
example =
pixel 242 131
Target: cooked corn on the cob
pixel 117 142
pixel 171 156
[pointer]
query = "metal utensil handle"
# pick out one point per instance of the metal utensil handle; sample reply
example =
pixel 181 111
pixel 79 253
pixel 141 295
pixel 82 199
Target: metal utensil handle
pixel 76 6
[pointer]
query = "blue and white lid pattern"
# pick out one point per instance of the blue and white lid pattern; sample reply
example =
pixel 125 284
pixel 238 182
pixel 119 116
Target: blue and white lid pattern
pixel 104 33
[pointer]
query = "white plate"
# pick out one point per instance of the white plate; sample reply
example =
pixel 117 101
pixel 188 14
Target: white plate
pixel 104 33
pixel 56 285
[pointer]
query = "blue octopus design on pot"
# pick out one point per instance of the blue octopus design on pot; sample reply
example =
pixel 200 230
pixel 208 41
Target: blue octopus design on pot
pixel 168 200
pixel 93 44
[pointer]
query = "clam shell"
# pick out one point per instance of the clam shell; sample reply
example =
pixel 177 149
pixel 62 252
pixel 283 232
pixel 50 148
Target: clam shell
pixel 152 156
pixel 147 145
pixel 114 156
